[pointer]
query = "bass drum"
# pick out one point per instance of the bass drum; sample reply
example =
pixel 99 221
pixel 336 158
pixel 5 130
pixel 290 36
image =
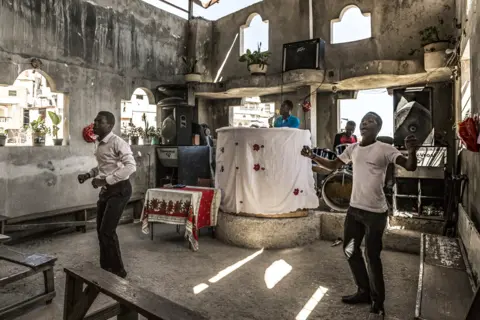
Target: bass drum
pixel 337 189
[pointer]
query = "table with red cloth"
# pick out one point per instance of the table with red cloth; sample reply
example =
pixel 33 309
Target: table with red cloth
pixel 194 207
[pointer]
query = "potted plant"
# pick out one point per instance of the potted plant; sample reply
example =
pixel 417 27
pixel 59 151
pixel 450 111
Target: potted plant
pixel 191 73
pixel 39 130
pixel 56 119
pixel 257 61
pixel 3 137
pixel 135 133
pixel 157 137
pixel 150 133
pixel 434 47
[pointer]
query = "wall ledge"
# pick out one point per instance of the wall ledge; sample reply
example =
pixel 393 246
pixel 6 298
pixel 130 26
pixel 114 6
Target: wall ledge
pixel 361 76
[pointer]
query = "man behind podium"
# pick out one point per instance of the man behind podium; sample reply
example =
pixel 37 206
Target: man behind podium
pixel 286 120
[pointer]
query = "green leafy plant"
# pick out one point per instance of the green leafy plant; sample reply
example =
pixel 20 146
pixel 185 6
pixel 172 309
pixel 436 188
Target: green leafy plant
pixel 431 35
pixel 151 132
pixel 256 57
pixel 38 127
pixel 134 131
pixel 190 65
pixel 56 119
pixel 3 132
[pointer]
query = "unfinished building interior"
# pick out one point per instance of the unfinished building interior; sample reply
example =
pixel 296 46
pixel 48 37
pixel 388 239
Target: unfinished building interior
pixel 198 89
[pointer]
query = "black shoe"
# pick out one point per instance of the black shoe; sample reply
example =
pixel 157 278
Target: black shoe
pixel 357 298
pixel 122 274
pixel 377 312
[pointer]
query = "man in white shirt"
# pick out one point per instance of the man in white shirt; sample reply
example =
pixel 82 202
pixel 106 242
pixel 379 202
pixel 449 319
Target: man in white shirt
pixel 367 215
pixel 115 165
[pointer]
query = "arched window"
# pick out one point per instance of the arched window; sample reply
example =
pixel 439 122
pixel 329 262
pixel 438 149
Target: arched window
pixel 352 25
pixel 140 111
pixel 253 33
pixel 31 97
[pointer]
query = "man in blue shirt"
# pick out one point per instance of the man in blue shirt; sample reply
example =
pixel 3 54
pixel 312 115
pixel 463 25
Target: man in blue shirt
pixel 286 119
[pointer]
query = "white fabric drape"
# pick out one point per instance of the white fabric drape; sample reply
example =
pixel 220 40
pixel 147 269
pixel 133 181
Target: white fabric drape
pixel 261 171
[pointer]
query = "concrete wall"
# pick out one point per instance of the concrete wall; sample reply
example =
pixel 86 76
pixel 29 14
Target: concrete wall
pixel 469 161
pixel 471 241
pixel 97 52
pixel 395 28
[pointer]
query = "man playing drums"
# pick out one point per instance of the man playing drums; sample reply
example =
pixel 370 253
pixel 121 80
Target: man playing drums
pixel 367 215
pixel 346 137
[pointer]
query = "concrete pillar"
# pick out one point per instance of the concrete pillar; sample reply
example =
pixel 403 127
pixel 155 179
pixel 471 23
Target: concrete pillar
pixel 312 115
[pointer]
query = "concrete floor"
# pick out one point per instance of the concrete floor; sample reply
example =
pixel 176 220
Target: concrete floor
pixel 166 267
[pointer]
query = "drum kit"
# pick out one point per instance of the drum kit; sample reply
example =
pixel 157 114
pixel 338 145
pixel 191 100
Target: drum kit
pixel 336 188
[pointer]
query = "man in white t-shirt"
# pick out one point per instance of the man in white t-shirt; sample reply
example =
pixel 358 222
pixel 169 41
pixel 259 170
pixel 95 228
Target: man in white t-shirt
pixel 367 215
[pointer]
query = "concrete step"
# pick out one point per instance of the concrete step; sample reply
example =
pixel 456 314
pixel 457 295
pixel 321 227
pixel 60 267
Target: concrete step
pixel 445 287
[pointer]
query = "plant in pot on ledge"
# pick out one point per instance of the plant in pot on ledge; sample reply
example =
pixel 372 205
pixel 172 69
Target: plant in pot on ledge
pixel 3 137
pixel 56 119
pixel 135 133
pixel 257 61
pixel 191 73
pixel 434 48
pixel 39 130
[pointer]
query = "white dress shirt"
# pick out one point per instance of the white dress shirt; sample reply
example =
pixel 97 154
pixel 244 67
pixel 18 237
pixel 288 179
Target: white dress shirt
pixel 115 159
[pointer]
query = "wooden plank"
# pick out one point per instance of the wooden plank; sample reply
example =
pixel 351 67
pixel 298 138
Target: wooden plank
pixel 446 293
pixel 49 280
pixel 14 311
pixel 32 261
pixel 84 303
pixel 106 312
pixel 48 225
pixel 21 275
pixel 64 211
pixel 73 291
pixel 4 238
pixel 443 252
pixel 146 303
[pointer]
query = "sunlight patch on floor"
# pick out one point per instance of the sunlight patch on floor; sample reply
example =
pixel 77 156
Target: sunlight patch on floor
pixel 276 272
pixel 311 304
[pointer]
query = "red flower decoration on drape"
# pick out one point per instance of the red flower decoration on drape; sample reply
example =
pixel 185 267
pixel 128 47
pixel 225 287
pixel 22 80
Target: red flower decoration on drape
pixel 296 192
pixel 256 147
pixel 256 167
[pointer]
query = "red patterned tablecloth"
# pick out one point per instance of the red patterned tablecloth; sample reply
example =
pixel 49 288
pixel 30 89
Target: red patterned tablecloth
pixel 195 207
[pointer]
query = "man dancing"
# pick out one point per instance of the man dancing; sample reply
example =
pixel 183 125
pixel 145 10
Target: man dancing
pixel 367 214
pixel 115 165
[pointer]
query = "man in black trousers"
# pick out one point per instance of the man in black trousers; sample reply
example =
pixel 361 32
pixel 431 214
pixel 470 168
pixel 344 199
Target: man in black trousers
pixel 115 165
pixel 368 212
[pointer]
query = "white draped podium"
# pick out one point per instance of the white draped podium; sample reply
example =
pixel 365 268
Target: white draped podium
pixel 261 171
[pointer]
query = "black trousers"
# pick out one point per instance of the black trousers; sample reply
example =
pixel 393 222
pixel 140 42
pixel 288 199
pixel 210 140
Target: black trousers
pixel 371 225
pixel 111 203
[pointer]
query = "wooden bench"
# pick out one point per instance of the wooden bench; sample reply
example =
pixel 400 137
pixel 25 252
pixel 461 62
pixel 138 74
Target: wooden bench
pixel 131 300
pixel 81 218
pixel 445 284
pixel 34 264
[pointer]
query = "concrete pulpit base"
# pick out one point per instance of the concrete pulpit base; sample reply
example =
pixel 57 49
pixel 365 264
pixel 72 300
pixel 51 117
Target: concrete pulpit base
pixel 285 231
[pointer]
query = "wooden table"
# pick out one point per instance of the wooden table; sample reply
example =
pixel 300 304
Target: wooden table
pixel 195 207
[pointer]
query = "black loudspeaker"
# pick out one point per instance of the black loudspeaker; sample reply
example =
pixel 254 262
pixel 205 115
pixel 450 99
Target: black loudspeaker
pixel 184 118
pixel 308 54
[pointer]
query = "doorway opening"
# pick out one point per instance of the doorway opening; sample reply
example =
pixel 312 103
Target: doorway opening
pixel 375 100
